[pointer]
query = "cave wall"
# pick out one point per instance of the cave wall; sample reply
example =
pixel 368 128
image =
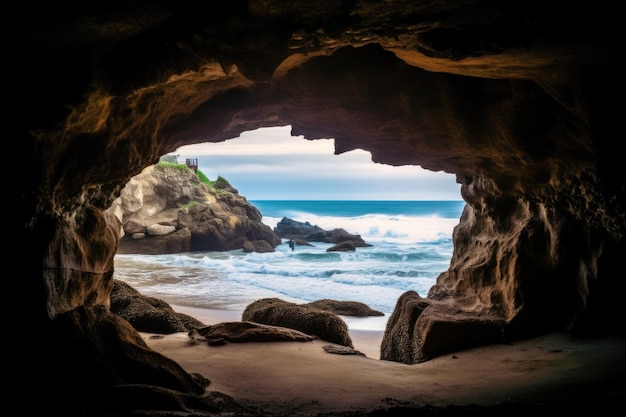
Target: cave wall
pixel 510 99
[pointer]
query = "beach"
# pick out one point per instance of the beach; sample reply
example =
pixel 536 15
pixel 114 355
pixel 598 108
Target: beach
pixel 411 244
pixel 301 379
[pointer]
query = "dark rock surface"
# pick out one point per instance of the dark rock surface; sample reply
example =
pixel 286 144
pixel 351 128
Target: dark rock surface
pixel 292 229
pixel 347 246
pixel 341 350
pixel 148 314
pixel 467 330
pixel 337 235
pixel 260 246
pixel 276 312
pixel 304 232
pixel 344 308
pixel 246 331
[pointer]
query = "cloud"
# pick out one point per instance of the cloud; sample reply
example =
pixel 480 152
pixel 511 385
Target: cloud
pixel 270 164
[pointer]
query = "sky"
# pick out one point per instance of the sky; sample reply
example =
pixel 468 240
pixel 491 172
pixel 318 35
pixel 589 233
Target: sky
pixel 270 164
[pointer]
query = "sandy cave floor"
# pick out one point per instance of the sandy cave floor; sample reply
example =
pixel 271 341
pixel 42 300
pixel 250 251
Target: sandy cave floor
pixel 301 379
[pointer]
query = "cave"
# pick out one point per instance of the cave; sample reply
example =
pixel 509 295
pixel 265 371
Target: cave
pixel 518 101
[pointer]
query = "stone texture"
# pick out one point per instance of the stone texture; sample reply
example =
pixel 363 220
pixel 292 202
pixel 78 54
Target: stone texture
pixel 321 323
pixel 149 314
pixel 246 331
pixel 292 229
pixel 168 209
pixel 76 336
pixel 341 350
pixel 302 232
pixel 347 246
pixel 260 246
pixel 421 329
pixel 518 100
pixel 345 308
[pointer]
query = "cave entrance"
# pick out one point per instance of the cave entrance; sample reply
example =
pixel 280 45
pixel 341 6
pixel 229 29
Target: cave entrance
pixel 270 164
pixel 405 213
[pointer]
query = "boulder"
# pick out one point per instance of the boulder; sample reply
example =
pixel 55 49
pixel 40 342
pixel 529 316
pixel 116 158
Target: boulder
pixel 337 236
pixel 246 331
pixel 341 350
pixel 259 246
pixel 176 242
pixel 302 232
pixel 345 308
pixel 293 229
pixel 147 314
pixel 160 229
pixel 347 246
pixel 167 209
pixel 276 312
pixel 437 328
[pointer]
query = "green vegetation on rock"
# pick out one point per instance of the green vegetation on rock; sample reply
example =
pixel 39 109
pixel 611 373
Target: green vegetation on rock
pixel 164 164
pixel 220 185
pixel 188 205
pixel 204 178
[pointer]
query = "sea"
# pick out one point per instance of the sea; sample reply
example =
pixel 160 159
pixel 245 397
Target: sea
pixel 411 244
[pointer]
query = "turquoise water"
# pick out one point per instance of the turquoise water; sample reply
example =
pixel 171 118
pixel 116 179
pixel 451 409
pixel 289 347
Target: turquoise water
pixel 349 208
pixel 411 245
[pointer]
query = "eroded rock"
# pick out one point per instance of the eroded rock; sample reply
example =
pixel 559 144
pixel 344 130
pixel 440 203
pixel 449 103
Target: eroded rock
pixel 167 209
pixel 302 232
pixel 345 308
pixel 246 331
pixel 436 328
pixel 276 312
pixel 149 314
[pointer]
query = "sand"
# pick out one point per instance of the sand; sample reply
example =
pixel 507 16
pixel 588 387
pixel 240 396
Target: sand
pixel 301 379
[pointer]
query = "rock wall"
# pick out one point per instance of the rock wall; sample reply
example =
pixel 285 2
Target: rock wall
pixel 512 98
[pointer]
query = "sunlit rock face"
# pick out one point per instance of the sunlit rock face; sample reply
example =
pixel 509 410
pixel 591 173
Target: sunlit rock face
pixel 169 210
pixel 513 99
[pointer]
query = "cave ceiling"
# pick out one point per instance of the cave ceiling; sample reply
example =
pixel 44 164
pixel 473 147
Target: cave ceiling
pixel 454 86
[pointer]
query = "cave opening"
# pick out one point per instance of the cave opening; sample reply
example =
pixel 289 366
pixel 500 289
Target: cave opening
pixel 271 164
pixel 405 214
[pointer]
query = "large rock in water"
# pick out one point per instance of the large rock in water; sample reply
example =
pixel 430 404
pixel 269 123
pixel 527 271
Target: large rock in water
pixel 167 209
pixel 345 308
pixel 306 232
pixel 292 229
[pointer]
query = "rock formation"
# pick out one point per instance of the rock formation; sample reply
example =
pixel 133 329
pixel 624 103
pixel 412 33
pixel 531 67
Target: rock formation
pixel 345 308
pixel 149 314
pixel 292 229
pixel 520 100
pixel 304 232
pixel 168 209
pixel 246 331
pixel 310 320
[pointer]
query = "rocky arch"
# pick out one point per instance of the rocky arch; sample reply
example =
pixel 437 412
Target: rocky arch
pixel 511 101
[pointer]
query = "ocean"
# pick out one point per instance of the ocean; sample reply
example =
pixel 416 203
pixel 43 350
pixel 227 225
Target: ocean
pixel 411 245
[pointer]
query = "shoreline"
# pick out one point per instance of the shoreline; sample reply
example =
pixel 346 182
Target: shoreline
pixel 300 379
